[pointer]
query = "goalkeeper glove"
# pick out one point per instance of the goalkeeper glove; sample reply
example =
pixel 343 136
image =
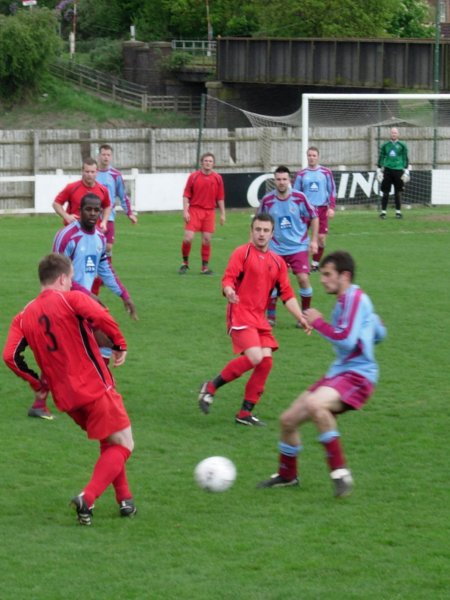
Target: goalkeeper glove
pixel 406 177
pixel 380 175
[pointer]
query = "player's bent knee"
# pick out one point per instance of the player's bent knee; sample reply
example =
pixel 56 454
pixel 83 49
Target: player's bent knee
pixel 311 404
pixel 254 355
pixel 288 421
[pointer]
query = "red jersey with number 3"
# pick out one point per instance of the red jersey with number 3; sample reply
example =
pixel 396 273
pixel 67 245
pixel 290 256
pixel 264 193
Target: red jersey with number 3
pixel 58 328
pixel 253 275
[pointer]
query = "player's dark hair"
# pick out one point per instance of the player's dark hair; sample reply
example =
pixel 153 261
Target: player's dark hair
pixel 105 147
pixel 87 198
pixel 89 161
pixel 315 148
pixel 282 169
pixel 207 154
pixel 263 217
pixel 52 266
pixel 342 261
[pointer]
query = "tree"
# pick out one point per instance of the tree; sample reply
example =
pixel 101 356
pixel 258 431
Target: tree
pixel 28 43
pixel 326 18
pixel 411 20
pixel 100 19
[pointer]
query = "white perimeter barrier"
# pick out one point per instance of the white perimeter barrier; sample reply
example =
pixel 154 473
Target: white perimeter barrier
pixel 440 182
pixel 164 191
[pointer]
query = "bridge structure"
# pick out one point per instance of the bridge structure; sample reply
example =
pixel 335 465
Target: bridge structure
pixel 380 64
pixel 268 75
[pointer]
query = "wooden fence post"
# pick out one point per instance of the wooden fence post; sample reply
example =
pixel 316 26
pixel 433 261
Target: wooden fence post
pixel 35 152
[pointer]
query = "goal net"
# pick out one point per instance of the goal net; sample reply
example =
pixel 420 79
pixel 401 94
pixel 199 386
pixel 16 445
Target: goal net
pixel 349 130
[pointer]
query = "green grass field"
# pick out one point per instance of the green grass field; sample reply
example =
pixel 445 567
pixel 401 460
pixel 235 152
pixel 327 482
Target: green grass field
pixel 389 540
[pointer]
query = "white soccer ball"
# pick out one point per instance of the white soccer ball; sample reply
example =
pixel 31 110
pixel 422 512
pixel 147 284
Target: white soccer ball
pixel 215 474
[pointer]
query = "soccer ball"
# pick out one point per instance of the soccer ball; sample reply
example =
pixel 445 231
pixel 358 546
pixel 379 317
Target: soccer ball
pixel 215 474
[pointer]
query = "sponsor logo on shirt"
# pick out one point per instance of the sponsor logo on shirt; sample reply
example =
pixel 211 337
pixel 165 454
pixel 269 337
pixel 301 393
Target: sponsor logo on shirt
pixel 392 152
pixel 90 265
pixel 313 187
pixel 285 222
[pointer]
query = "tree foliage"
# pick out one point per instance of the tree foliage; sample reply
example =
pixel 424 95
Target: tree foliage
pixel 326 19
pixel 166 19
pixel 28 42
pixel 411 20
pixel 187 19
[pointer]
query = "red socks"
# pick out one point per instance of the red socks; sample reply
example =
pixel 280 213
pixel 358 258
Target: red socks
pixel 107 468
pixel 186 250
pixel 235 368
pixel 120 483
pixel 206 253
pixel 255 385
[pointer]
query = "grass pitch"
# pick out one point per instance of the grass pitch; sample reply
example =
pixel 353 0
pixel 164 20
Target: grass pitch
pixel 389 540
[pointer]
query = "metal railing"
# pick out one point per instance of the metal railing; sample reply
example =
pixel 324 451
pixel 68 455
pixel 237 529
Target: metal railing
pixel 122 91
pixel 195 47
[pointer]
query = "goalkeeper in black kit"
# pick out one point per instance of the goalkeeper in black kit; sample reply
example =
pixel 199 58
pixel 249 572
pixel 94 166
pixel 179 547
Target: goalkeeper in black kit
pixel 393 170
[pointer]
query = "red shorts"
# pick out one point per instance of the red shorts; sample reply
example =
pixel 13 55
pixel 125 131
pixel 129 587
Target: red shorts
pixel 102 417
pixel 201 219
pixel 298 262
pixel 354 389
pixel 242 339
pixel 110 232
pixel 322 213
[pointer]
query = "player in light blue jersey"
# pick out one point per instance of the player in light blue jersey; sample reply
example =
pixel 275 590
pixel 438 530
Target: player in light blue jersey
pixel 112 179
pixel 317 183
pixel 353 332
pixel 85 245
pixel 293 216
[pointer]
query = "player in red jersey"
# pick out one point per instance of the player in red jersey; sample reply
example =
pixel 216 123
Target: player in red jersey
pixel 204 192
pixel 67 202
pixel 252 273
pixel 57 326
